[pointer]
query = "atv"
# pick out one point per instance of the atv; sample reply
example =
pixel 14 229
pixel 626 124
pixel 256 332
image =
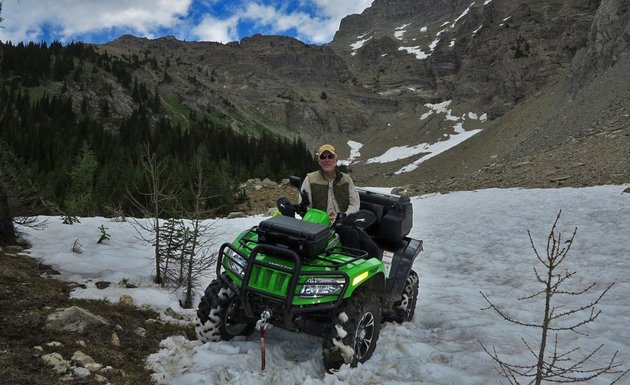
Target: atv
pixel 294 273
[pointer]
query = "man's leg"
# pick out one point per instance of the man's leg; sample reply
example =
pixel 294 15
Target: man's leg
pixel 349 237
pixel 368 244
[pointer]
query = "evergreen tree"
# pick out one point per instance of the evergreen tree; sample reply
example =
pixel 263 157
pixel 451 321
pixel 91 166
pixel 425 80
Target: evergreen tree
pixel 82 177
pixel 7 231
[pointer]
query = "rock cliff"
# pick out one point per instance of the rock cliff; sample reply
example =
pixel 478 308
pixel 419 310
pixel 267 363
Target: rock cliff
pixel 416 75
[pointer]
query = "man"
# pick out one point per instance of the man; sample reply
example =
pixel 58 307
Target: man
pixel 334 192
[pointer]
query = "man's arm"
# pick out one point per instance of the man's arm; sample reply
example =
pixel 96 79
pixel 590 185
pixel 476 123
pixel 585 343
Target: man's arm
pixel 355 202
pixel 306 186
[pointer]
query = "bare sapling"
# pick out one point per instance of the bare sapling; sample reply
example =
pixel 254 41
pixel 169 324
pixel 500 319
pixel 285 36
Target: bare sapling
pixel 550 362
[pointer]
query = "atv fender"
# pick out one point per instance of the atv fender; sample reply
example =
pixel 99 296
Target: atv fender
pixel 375 284
pixel 402 262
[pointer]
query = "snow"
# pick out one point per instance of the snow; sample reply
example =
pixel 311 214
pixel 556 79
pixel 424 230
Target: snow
pixel 459 135
pixel 463 14
pixel 417 50
pixel 440 147
pixel 400 31
pixel 355 152
pixel 474 242
pixel 420 54
pixel 359 43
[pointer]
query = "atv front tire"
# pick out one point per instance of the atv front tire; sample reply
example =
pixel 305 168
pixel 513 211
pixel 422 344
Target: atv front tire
pixel 220 315
pixel 406 307
pixel 354 333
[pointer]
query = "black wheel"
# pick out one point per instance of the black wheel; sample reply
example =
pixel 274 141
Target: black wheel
pixel 406 307
pixel 220 315
pixel 354 333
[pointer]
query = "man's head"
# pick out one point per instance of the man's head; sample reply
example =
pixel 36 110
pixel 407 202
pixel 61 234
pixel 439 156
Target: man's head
pixel 327 158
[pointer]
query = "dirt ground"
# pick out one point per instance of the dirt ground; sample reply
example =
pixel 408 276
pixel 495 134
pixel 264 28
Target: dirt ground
pixel 28 295
pixel 260 201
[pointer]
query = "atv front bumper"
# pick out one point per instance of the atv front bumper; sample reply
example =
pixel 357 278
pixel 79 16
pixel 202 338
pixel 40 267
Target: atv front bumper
pixel 264 284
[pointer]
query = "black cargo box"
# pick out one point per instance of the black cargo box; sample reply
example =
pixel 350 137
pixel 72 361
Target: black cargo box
pixel 306 238
pixel 394 215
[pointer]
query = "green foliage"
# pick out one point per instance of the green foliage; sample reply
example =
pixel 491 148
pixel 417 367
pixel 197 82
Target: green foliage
pixel 69 219
pixel 21 188
pixel 76 247
pixel 175 248
pixel 47 131
pixel 82 176
pixel 104 235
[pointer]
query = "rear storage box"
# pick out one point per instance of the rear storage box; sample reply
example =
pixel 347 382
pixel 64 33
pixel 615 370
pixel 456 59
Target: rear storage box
pixel 394 215
pixel 306 238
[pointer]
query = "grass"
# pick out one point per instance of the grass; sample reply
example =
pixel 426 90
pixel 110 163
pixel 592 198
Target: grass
pixel 179 112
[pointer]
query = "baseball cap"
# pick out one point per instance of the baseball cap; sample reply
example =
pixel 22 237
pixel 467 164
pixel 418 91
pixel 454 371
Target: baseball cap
pixel 327 147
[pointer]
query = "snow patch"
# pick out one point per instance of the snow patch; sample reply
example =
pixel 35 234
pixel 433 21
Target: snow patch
pixel 420 54
pixel 463 14
pixel 418 51
pixel 346 351
pixel 355 153
pixel 357 45
pixel 432 149
pixel 438 148
pixel 400 31
pixel 440 346
pixel 341 332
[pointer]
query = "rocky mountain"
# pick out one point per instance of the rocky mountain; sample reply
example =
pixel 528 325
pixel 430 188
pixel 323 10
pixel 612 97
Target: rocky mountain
pixel 538 89
pixel 549 74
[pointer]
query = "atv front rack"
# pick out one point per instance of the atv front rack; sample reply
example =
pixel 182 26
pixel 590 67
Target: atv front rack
pixel 284 302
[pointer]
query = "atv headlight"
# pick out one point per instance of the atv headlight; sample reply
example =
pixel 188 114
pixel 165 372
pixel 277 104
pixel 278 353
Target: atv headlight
pixel 321 287
pixel 236 263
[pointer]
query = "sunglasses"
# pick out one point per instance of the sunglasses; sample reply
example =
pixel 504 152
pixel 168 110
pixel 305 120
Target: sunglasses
pixel 326 156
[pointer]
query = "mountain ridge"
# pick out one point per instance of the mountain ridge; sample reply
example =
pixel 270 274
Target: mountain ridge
pixel 387 73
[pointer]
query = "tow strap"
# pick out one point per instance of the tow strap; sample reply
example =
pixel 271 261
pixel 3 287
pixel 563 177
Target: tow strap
pixel 261 325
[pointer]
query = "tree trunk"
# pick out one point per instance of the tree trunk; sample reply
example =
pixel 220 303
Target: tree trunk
pixel 7 231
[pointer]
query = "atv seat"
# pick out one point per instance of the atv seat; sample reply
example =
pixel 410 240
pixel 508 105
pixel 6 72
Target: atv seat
pixel 394 216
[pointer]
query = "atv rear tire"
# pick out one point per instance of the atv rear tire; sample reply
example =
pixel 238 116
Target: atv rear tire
pixel 217 312
pixel 354 333
pixel 406 307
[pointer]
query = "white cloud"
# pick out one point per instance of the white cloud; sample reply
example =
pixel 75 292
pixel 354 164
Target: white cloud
pixel 25 20
pixel 212 29
pixel 313 21
pixel 317 28
pixel 337 9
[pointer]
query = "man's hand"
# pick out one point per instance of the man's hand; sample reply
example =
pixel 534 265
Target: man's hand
pixel 332 215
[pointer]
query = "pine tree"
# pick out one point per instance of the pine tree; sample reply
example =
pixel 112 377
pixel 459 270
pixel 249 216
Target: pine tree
pixel 82 176
pixel 7 231
pixel 154 203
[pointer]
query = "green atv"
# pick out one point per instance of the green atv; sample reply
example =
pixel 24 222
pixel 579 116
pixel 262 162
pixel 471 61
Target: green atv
pixel 295 274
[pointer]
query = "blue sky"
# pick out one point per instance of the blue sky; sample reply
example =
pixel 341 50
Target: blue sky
pixel 100 21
